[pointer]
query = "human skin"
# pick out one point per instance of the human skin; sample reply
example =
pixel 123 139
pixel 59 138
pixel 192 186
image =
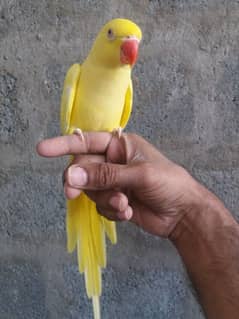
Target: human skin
pixel 129 179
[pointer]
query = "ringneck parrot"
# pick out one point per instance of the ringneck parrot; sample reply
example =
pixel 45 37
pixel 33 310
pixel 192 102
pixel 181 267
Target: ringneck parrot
pixel 97 96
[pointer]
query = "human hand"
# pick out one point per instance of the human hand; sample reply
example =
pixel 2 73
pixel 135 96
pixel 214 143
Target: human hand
pixel 128 178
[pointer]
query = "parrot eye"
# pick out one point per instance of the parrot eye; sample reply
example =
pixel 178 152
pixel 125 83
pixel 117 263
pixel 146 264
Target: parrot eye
pixel 110 34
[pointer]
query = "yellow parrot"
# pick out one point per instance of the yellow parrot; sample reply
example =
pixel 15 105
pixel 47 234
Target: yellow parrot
pixel 97 96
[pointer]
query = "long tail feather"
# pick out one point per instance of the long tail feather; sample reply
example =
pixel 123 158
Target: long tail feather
pixel 86 231
pixel 71 228
pixel 96 307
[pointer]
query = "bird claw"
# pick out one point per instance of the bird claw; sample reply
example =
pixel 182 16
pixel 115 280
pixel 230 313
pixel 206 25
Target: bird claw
pixel 118 132
pixel 79 132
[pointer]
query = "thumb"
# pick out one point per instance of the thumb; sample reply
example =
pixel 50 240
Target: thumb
pixel 102 176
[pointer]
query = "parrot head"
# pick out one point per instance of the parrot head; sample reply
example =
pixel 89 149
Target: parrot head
pixel 117 44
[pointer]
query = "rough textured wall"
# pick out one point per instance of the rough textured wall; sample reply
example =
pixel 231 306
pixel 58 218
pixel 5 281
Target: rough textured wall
pixel 186 102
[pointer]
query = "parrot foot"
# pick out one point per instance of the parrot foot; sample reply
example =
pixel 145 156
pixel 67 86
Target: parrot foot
pixel 79 132
pixel 118 132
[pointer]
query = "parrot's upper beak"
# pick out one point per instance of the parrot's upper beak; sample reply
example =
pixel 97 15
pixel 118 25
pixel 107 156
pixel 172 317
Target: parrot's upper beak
pixel 129 50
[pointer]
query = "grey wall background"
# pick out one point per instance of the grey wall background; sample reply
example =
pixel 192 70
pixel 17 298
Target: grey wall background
pixel 186 102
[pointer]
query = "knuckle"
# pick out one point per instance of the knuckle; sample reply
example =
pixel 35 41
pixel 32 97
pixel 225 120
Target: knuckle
pixel 148 173
pixel 106 175
pixel 132 136
pixel 136 139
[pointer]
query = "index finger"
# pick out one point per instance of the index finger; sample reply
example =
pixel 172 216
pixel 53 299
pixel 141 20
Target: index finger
pixel 93 142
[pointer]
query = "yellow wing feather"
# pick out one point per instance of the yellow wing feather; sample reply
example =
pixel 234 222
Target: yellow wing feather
pixel 127 106
pixel 68 96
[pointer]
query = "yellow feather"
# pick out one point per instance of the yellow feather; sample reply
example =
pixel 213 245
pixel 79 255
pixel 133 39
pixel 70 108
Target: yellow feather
pixel 99 236
pixel 127 106
pixel 96 306
pixel 110 229
pixel 71 227
pixel 68 96
pixel 97 96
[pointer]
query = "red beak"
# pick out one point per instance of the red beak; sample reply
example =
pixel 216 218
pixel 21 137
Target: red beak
pixel 129 51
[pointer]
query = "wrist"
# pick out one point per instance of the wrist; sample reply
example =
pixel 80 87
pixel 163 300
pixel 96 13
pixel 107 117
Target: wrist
pixel 206 215
pixel 207 239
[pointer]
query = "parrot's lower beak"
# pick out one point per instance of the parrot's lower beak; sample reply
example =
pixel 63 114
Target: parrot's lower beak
pixel 129 50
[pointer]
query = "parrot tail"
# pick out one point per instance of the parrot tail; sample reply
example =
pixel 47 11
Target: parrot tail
pixel 86 232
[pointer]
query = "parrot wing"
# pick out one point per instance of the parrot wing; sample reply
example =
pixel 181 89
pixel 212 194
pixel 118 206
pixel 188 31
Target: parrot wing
pixel 68 96
pixel 127 106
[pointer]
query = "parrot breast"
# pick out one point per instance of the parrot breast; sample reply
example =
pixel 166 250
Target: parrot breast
pixel 100 98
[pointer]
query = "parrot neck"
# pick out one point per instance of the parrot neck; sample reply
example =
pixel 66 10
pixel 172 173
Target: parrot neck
pixel 97 69
pixel 103 60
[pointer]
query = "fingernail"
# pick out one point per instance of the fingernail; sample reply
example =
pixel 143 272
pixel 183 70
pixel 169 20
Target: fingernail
pixel 128 213
pixel 77 177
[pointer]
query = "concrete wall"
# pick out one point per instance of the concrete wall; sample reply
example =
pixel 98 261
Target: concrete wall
pixel 186 102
